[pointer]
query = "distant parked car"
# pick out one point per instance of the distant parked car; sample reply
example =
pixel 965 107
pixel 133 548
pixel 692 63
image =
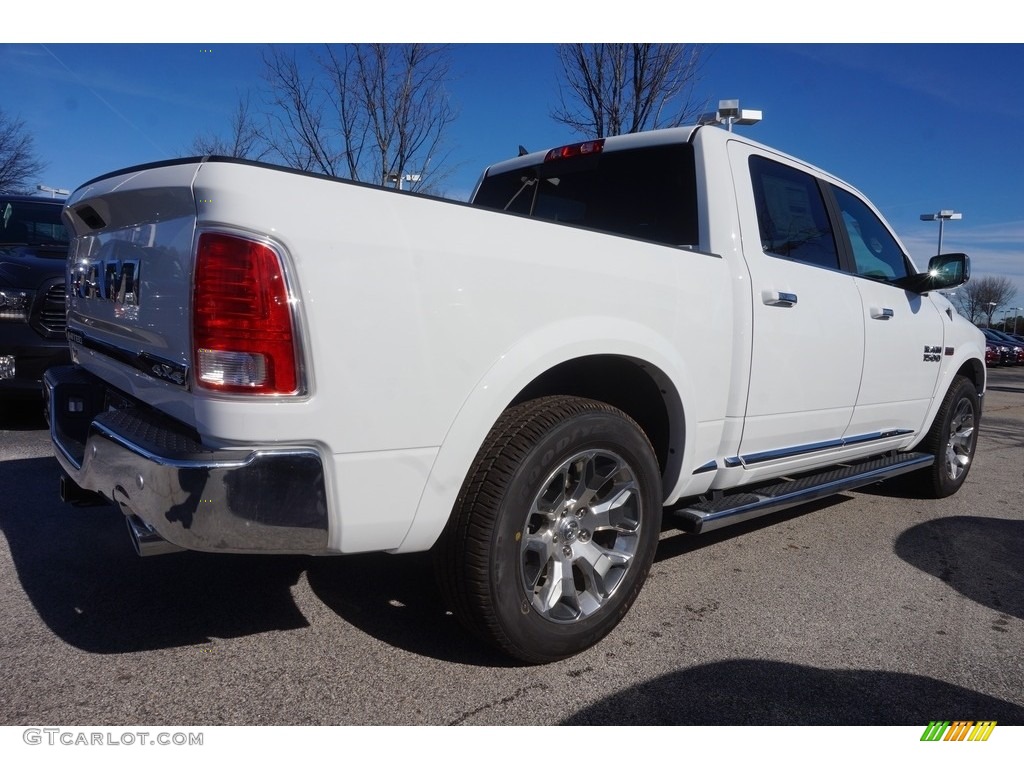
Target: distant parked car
pixel 33 256
pixel 1014 350
pixel 1010 339
pixel 992 354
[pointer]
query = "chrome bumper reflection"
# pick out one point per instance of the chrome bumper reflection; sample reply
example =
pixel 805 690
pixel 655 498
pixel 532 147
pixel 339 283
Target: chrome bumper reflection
pixel 270 500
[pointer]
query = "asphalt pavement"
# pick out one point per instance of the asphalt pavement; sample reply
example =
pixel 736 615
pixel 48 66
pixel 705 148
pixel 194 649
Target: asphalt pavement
pixel 868 608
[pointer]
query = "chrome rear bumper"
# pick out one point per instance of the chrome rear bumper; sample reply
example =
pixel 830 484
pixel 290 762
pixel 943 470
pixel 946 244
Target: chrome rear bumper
pixel 260 499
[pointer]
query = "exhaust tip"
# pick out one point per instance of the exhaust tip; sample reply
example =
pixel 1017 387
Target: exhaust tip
pixel 146 540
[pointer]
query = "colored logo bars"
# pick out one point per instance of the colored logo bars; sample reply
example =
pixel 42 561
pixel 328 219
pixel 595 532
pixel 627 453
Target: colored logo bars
pixel 958 730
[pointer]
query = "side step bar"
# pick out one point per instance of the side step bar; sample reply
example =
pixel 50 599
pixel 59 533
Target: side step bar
pixel 748 503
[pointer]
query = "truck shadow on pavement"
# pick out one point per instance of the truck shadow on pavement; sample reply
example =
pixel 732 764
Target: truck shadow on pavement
pixel 748 692
pixel 22 414
pixel 982 558
pixel 79 570
pixel 77 567
pixel 395 599
pixel 678 543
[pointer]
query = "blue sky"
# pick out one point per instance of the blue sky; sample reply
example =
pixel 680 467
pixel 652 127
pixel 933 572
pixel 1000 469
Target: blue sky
pixel 917 127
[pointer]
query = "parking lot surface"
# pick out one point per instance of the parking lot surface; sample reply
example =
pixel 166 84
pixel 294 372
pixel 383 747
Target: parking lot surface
pixel 867 608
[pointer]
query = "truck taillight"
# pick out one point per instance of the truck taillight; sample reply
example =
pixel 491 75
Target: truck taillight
pixel 242 334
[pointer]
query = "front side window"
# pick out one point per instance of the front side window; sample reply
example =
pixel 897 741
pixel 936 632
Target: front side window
pixel 791 214
pixel 876 254
pixel 648 193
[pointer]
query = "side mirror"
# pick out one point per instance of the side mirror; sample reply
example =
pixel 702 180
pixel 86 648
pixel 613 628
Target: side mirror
pixel 947 270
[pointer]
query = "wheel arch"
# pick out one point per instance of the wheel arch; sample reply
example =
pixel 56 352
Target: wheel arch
pixel 973 370
pixel 640 390
pixel 970 365
pixel 632 369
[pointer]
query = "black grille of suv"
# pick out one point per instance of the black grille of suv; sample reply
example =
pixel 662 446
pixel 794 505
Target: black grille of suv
pixel 52 318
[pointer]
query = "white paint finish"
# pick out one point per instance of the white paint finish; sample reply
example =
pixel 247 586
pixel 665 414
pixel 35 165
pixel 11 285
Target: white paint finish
pixel 807 353
pixel 898 384
pixel 376 495
pixel 404 318
pixel 422 319
pixel 422 334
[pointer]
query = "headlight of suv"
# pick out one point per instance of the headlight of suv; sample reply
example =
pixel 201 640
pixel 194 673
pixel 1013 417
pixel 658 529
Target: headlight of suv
pixel 15 304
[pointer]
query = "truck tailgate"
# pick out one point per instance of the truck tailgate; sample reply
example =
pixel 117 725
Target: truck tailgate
pixel 130 279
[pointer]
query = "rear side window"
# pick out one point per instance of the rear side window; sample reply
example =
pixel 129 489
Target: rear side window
pixel 791 214
pixel 648 193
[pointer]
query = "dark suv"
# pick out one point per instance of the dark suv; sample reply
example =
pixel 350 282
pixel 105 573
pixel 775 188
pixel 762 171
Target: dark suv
pixel 33 256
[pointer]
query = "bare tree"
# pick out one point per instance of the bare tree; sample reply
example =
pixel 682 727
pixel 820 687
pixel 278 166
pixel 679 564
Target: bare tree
pixel 980 297
pixel 244 141
pixel 408 109
pixel 299 127
pixel 369 112
pixel 615 88
pixel 18 161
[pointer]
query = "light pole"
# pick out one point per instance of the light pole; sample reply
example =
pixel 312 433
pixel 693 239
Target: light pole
pixel 730 114
pixel 942 217
pixel 397 178
pixel 1015 316
pixel 991 308
pixel 54 191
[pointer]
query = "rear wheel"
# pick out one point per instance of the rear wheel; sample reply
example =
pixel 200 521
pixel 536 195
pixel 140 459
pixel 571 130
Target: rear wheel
pixel 555 529
pixel 952 439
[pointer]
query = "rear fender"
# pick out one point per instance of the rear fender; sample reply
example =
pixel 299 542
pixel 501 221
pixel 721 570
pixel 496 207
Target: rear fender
pixel 511 374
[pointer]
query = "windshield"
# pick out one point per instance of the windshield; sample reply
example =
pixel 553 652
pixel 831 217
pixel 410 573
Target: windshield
pixel 1005 338
pixel 23 222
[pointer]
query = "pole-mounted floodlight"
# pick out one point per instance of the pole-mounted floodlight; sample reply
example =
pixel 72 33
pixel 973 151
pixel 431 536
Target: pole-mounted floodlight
pixel 398 178
pixel 991 308
pixel 942 217
pixel 730 114
pixel 54 191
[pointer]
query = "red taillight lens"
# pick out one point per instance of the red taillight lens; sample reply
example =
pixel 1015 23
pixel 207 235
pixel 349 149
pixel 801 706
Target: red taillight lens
pixel 242 335
pixel 574 150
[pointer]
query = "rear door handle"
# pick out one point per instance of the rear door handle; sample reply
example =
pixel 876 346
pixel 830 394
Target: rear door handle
pixel 882 313
pixel 778 298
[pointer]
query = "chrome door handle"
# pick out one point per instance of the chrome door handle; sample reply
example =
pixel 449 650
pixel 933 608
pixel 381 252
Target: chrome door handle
pixel 778 298
pixel 881 313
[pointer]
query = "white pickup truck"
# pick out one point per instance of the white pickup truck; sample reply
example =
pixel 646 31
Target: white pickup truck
pixel 681 322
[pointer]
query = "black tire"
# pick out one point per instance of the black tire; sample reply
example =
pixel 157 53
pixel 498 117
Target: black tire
pixel 952 440
pixel 562 485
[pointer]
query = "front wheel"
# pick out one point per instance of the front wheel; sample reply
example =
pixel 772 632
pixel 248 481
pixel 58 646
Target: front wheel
pixel 555 529
pixel 952 439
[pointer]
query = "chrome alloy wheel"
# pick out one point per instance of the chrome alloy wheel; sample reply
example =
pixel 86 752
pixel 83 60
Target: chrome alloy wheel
pixel 961 439
pixel 581 536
